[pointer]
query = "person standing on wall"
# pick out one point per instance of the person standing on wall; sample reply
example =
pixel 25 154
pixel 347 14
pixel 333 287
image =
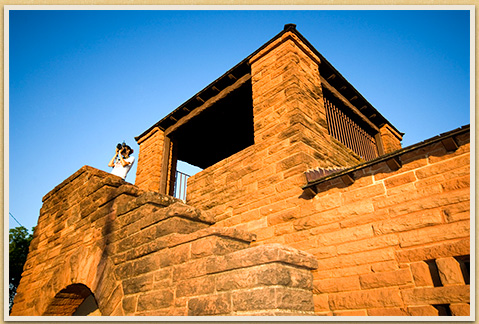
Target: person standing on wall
pixel 122 161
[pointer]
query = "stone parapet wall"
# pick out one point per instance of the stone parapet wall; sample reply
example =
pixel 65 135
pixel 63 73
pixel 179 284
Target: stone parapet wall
pixel 143 253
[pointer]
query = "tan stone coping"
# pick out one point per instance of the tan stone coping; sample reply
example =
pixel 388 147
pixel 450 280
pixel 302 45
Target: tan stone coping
pixel 392 159
pixel 112 179
pixel 232 233
pixel 262 254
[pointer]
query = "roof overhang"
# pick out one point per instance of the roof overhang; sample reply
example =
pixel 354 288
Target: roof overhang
pixel 243 68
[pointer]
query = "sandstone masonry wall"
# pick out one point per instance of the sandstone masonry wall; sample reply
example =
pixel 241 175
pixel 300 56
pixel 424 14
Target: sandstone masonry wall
pixel 379 241
pixel 143 253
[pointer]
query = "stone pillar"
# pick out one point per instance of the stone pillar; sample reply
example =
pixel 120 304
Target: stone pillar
pixel 156 163
pixel 288 105
pixel 390 139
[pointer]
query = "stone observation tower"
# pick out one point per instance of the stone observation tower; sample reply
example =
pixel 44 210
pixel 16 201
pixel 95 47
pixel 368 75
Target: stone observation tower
pixel 306 205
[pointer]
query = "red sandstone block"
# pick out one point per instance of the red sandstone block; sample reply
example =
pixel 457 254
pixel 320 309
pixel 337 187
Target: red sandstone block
pixel 276 207
pixel 321 302
pixel 449 271
pixel 409 222
pixel 155 300
pixel 292 184
pixel 258 299
pixel 264 233
pixel 294 160
pixel 215 245
pixel 430 202
pixel 283 216
pixel 384 266
pixel 250 215
pixel 368 244
pixel 256 224
pixel 195 287
pixel 456 184
pixel 327 202
pixel 195 268
pixel 399 277
pixel 399 180
pixel 415 196
pixel 294 299
pixel 426 310
pixel 450 218
pixel 460 309
pixel 430 181
pixel 401 190
pixel 346 235
pixel 358 259
pixel 376 298
pixel 366 218
pixel 443 167
pixel 436 295
pixel 435 234
pixel 129 304
pixel 355 312
pixel 138 284
pixel 421 274
pixel 459 172
pixel 219 304
pixel 334 285
pixel 392 311
pixel 282 229
pixel 433 251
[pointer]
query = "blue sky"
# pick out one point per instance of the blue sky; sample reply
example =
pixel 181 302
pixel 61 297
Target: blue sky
pixel 82 81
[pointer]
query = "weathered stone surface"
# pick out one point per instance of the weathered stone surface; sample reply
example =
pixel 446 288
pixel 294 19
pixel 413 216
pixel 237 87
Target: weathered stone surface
pixel 260 255
pixel 437 295
pixel 422 311
pixel 434 251
pixel 393 311
pixel 254 299
pixel 384 297
pixel 399 277
pixel 460 309
pixel 155 300
pixel 182 210
pixel 336 285
pixel 449 271
pixel 210 305
pixel 196 286
pixel 421 274
pixel 215 245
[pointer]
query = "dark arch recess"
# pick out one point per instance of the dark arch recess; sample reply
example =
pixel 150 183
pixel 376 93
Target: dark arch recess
pixel 67 301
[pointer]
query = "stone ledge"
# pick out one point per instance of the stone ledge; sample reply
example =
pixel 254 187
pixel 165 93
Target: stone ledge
pixel 116 181
pixel 261 254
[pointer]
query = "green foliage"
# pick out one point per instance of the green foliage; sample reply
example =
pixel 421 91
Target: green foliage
pixel 18 250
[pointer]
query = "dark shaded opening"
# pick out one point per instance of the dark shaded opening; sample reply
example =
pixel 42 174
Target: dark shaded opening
pixel 68 301
pixel 219 131
pixel 443 309
pixel 465 263
pixel 436 280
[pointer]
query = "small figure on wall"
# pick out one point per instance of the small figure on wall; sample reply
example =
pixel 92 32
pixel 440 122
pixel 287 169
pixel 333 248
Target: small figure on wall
pixel 122 161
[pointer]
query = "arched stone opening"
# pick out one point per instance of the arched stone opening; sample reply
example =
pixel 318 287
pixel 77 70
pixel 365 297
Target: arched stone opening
pixel 74 300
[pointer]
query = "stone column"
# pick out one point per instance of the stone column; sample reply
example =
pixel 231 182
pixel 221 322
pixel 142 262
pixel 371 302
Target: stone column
pixel 288 104
pixel 154 162
pixel 390 139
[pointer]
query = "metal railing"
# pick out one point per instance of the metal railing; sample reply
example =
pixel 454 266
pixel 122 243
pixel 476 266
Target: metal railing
pixel 348 132
pixel 180 185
